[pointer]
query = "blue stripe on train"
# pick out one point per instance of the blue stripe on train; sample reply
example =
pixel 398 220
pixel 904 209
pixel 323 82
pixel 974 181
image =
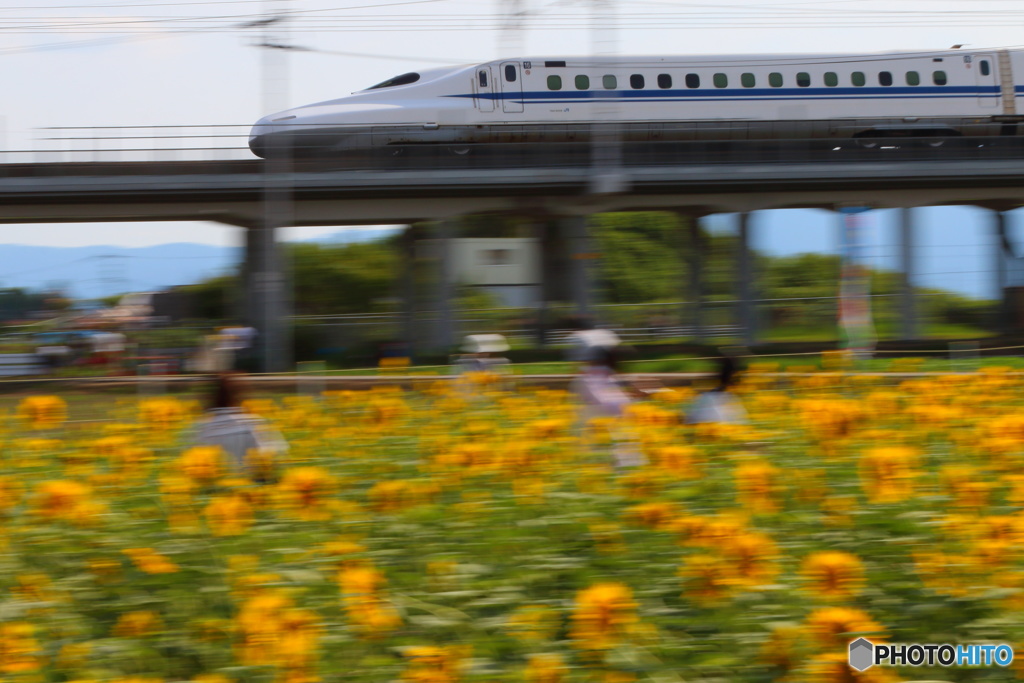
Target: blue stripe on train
pixel 751 94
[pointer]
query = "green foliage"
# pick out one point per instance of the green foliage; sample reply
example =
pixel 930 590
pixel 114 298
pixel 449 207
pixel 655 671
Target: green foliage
pixel 16 303
pixel 803 275
pixel 640 257
pixel 213 299
pixel 351 278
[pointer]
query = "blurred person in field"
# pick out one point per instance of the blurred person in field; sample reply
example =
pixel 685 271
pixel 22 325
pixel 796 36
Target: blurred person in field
pixel 586 337
pixel 251 445
pixel 480 363
pixel 240 342
pixel 719 404
pixel 604 394
pixel 479 353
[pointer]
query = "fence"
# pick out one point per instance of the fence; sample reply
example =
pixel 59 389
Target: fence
pixel 780 319
pixel 226 142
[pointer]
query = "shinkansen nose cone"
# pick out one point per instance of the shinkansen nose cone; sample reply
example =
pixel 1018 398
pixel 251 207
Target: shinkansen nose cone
pixel 268 137
pixel 323 129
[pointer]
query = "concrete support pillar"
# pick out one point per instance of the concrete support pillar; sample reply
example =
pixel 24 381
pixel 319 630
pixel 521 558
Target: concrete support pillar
pixel 581 251
pixel 407 264
pixel 745 279
pixel 908 302
pixel 541 233
pixel 695 256
pixel 268 301
pixel 445 332
pixel 1003 322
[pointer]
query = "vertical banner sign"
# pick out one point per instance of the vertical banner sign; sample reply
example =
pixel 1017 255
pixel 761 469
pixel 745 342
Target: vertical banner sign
pixel 858 331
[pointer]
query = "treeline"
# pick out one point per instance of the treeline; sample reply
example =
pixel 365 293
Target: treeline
pixel 19 304
pixel 643 259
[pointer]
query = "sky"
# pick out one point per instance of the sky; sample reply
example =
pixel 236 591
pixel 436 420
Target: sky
pixel 133 66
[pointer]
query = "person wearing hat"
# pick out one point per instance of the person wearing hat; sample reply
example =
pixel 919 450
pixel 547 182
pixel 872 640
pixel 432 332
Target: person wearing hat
pixel 478 353
pixel 602 393
pixel 588 341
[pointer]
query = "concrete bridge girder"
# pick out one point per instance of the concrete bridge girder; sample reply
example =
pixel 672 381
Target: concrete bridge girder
pixel 406 211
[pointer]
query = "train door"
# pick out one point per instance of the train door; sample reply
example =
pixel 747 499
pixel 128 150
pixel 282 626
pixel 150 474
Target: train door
pixel 484 89
pixel 511 87
pixel 985 76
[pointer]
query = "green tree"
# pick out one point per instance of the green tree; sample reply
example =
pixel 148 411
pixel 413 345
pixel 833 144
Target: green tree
pixel 351 278
pixel 640 257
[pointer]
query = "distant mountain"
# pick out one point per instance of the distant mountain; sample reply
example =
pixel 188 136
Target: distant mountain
pixel 99 271
pixel 351 236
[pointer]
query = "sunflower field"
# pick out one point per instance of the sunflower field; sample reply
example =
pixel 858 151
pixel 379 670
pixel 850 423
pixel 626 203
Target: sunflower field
pixel 470 532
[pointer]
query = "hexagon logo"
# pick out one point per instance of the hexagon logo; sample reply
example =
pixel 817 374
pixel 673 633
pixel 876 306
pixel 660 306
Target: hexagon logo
pixel 862 654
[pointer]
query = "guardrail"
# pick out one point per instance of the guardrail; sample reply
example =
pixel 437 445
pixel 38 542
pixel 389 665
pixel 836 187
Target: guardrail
pixel 520 149
pixel 21 365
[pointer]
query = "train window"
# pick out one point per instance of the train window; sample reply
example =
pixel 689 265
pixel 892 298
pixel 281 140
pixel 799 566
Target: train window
pixel 554 82
pixel 803 79
pixel 636 82
pixel 664 81
pixel 483 79
pixel 939 78
pixel 692 80
pixel 610 82
pixel 858 79
pixel 985 68
pixel 748 80
pixel 831 79
pixel 775 79
pixel 404 79
pixel 885 78
pixel 913 78
pixel 510 73
pixel 583 82
pixel 721 81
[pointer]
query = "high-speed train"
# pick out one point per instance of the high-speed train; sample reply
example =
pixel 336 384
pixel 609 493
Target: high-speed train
pixel 931 95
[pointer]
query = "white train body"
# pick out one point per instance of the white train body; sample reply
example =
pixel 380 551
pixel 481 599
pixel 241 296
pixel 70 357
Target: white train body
pixel 935 94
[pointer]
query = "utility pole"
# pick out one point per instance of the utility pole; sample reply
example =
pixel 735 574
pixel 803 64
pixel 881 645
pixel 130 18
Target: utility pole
pixel 513 23
pixel 267 295
pixel 111 274
pixel 607 176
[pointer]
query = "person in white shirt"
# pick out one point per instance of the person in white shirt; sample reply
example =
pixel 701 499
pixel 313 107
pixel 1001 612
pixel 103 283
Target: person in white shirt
pixel 239 434
pixel 719 404
pixel 604 394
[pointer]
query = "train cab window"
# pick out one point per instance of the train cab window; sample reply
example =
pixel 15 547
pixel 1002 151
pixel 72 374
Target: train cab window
pixel 583 82
pixel 483 79
pixel 692 80
pixel 664 81
pixel 404 79
pixel 831 79
pixel 721 81
pixel 510 73
pixel 554 82
pixel 858 79
pixel 636 82
pixel 748 80
pixel 885 78
pixel 985 68
pixel 913 78
pixel 939 78
pixel 610 82
pixel 803 79
pixel 775 79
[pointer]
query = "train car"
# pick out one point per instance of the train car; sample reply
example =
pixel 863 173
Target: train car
pixel 935 96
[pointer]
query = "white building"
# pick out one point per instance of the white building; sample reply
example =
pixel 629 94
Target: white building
pixel 508 268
